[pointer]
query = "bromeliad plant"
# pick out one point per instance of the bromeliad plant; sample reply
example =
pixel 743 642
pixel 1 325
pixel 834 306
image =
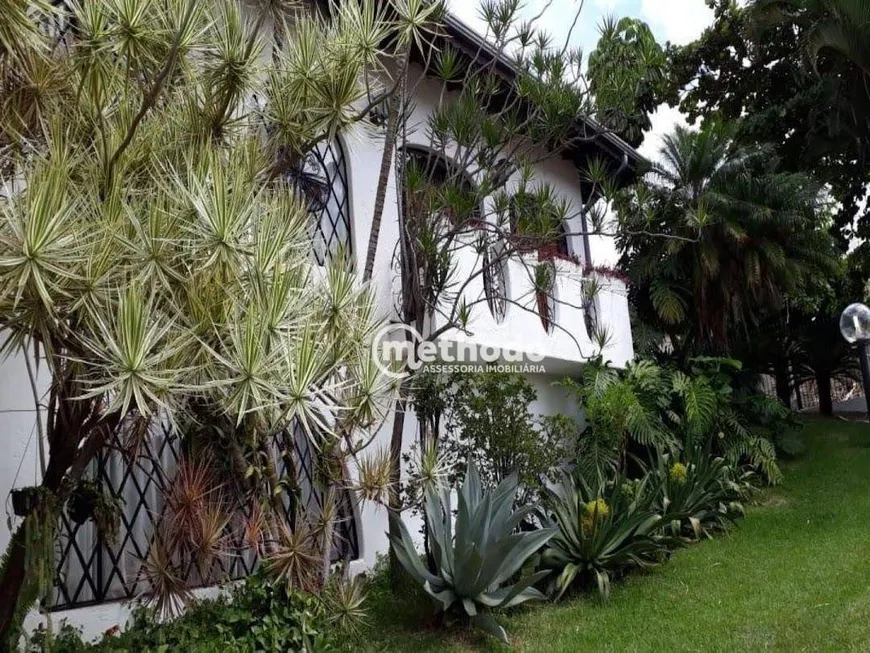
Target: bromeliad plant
pixel 476 563
pixel 697 493
pixel 603 528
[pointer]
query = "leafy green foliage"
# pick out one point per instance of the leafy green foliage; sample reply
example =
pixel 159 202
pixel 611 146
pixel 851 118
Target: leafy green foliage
pixel 628 75
pixel 488 419
pixel 789 73
pixel 258 616
pixel 156 232
pixel 604 528
pixel 652 407
pixel 735 236
pixel 619 408
pixel 476 562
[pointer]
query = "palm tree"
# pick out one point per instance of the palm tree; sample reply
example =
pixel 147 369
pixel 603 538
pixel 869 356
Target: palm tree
pixel 715 238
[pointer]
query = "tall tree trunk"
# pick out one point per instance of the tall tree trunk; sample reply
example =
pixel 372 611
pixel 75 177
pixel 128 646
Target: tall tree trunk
pixel 395 507
pixel 386 165
pixel 826 402
pixel 783 382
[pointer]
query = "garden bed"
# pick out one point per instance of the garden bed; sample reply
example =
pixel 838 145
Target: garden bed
pixel 793 576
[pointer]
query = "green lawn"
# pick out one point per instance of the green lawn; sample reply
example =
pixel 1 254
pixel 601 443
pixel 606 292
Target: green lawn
pixel 795 576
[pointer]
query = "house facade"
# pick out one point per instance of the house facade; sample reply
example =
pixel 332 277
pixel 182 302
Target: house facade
pixel 97 584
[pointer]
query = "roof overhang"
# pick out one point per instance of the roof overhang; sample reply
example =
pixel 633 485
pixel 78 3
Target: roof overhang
pixel 623 159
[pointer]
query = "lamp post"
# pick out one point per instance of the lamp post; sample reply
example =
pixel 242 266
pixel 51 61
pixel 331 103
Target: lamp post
pixel 855 327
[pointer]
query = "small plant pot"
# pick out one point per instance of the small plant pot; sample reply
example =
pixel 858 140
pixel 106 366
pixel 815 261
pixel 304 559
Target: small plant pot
pixel 81 505
pixel 24 500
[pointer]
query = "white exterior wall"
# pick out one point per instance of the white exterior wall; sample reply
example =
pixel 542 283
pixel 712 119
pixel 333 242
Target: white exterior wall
pixel 521 330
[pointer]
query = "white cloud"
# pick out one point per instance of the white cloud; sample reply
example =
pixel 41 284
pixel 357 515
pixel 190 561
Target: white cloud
pixel 678 21
pixel 663 122
pixel 607 6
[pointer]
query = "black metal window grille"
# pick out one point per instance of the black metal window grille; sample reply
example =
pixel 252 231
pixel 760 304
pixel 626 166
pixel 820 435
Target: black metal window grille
pixel 495 283
pixel 91 571
pixel 322 181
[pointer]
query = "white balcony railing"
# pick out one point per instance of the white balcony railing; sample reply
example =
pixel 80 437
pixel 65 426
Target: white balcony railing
pixel 568 344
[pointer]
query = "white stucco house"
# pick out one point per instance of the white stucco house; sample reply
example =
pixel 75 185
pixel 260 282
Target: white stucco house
pixel 95 594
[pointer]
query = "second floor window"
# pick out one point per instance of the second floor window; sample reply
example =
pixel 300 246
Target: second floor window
pixel 535 224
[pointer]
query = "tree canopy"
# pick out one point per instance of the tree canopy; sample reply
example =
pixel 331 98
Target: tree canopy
pixel 628 75
pixel 717 236
pixel 793 74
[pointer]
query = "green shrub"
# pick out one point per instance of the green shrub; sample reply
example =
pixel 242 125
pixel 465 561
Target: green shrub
pixel 474 565
pixel 650 407
pixel 603 530
pixel 259 615
pixel 487 419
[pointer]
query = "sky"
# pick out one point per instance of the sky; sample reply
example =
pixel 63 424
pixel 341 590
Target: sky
pixel 677 21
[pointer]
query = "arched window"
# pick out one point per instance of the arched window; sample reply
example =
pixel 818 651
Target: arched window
pixel 323 183
pixel 424 171
pixel 535 224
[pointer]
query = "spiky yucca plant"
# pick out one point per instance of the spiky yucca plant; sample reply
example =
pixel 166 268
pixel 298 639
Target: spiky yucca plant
pixel 154 239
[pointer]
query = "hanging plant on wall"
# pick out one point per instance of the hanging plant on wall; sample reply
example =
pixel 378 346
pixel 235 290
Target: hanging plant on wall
pixel 89 501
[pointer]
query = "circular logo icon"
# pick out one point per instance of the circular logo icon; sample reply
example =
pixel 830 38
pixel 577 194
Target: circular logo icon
pixel 394 349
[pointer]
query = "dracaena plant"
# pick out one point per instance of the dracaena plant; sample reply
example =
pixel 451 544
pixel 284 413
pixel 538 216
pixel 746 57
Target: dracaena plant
pixel 477 558
pixel 603 528
pixel 155 246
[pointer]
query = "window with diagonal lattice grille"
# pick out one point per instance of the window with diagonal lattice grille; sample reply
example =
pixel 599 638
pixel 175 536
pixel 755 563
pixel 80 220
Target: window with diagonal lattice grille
pixel 91 570
pixel 322 181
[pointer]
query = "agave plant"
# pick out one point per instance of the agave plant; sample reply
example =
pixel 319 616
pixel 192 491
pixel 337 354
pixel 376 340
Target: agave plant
pixel 603 529
pixel 476 562
pixel 698 493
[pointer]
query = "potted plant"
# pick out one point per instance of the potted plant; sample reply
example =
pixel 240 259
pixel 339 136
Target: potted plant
pixel 89 501
pixel 24 500
pixel 82 502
